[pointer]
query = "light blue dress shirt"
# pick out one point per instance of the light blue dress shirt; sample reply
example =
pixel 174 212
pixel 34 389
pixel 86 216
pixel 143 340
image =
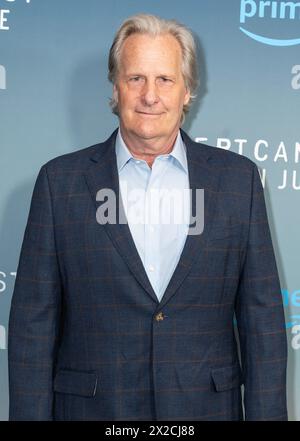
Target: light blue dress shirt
pixel 156 203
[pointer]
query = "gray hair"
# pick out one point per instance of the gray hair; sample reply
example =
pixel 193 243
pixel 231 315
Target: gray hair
pixel 154 26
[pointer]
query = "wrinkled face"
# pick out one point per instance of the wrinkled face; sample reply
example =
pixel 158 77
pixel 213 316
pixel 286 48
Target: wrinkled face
pixel 150 88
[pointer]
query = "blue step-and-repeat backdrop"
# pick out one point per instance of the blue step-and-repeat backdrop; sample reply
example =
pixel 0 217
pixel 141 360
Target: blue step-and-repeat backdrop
pixel 54 99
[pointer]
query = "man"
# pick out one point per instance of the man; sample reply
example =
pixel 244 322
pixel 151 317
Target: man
pixel 135 321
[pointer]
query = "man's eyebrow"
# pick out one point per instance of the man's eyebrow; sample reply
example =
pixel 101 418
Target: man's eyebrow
pixel 139 74
pixel 133 74
pixel 167 76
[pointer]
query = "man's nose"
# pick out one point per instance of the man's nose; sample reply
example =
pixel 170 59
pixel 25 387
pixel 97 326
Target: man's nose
pixel 150 93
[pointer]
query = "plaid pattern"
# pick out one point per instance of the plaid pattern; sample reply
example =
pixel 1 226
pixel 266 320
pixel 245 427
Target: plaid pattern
pixel 88 338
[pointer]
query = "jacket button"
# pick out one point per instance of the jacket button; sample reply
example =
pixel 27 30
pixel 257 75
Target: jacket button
pixel 159 316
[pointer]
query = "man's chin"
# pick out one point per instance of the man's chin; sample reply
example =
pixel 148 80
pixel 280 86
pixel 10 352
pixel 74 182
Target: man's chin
pixel 148 133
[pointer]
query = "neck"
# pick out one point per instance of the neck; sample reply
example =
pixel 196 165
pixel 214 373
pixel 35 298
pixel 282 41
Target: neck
pixel 149 149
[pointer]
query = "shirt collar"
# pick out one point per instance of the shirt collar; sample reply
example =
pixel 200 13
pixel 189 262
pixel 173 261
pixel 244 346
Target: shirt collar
pixel 124 155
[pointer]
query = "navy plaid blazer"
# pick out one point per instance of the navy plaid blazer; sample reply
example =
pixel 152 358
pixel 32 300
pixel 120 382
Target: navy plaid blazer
pixel 88 338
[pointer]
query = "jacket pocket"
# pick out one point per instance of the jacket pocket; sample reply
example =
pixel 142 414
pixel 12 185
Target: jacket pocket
pixel 226 378
pixel 83 383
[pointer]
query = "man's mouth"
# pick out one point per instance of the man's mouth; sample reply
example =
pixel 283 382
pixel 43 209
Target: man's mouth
pixel 149 113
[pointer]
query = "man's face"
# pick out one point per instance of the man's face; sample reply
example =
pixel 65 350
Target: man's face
pixel 150 88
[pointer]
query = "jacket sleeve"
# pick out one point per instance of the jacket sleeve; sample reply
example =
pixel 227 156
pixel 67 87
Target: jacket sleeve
pixel 260 319
pixel 34 320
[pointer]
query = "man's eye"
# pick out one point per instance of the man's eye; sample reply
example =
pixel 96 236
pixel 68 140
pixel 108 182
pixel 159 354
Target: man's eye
pixel 135 79
pixel 165 80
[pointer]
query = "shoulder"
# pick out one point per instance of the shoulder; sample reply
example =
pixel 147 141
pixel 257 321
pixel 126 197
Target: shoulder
pixel 218 158
pixel 233 174
pixel 227 159
pixel 236 173
pixel 79 160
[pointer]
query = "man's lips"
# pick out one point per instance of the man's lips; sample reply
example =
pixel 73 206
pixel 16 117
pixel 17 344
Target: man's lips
pixel 149 113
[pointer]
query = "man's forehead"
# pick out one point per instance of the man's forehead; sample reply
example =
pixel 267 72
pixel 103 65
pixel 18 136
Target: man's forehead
pixel 141 42
pixel 140 48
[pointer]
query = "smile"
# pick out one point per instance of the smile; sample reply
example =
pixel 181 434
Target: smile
pixel 149 114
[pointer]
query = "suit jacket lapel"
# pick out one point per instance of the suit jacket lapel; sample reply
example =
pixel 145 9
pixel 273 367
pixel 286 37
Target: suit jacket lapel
pixel 201 176
pixel 103 173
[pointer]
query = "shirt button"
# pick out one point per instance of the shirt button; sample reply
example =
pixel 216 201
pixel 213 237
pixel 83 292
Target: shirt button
pixel 159 317
pixel 151 268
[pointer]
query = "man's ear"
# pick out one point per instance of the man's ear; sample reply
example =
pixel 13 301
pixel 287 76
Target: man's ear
pixel 187 97
pixel 115 93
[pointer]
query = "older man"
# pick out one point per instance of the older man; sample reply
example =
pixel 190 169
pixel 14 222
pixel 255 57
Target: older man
pixel 114 320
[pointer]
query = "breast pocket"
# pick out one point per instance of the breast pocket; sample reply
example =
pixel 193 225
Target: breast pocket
pixel 225 233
